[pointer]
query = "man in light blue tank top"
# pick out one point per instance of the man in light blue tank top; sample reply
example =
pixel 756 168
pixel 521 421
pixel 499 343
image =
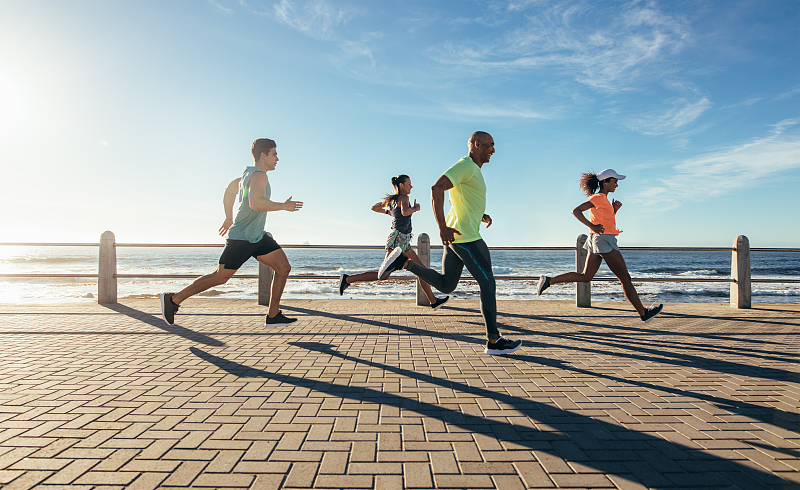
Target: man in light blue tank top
pixel 246 236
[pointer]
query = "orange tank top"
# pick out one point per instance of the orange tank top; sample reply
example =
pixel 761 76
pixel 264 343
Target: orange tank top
pixel 603 214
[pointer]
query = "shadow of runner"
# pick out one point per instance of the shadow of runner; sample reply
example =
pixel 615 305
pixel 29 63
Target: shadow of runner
pixel 639 353
pixel 160 324
pixel 609 448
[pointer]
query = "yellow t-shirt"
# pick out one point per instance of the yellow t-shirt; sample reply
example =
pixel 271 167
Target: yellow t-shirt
pixel 468 198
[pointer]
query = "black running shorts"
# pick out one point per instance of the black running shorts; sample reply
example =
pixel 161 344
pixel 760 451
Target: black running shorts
pixel 237 252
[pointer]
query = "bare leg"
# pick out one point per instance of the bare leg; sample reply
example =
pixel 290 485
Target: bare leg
pixel 277 261
pixel 617 265
pixel 368 276
pixel 425 286
pixel 203 283
pixel 593 262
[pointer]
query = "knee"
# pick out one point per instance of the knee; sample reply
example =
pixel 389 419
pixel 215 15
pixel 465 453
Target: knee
pixel 283 269
pixel 220 279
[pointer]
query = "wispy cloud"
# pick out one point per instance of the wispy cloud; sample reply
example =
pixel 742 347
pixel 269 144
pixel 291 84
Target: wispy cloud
pixel 315 18
pixel 517 111
pixel 729 169
pixel 220 7
pixel 789 93
pixel 608 48
pixel 747 102
pixel 682 112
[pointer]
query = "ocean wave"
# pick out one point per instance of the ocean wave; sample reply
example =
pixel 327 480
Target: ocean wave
pixel 697 292
pixel 705 272
pixel 681 271
pixel 783 292
pixel 308 288
pixel 498 270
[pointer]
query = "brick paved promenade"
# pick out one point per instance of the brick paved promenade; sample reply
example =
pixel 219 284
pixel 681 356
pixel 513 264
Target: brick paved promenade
pixel 384 394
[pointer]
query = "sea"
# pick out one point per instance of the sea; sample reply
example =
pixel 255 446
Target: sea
pixel 199 261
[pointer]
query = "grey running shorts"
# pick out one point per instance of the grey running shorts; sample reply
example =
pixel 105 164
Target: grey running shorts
pixel 601 244
pixel 237 252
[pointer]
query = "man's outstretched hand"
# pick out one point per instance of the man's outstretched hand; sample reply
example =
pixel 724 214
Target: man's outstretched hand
pixel 292 206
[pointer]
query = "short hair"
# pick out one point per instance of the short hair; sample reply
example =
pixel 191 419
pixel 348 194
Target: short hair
pixel 477 135
pixel 262 145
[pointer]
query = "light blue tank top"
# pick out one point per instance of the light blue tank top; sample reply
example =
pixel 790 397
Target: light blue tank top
pixel 248 224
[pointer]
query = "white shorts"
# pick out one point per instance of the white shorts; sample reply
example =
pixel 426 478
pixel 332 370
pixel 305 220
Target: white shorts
pixel 601 244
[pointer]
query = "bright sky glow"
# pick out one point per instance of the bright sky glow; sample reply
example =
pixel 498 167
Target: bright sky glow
pixel 132 116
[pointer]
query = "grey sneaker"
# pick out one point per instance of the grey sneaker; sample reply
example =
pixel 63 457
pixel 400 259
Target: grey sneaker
pixel 168 308
pixel 278 320
pixel 544 283
pixel 439 303
pixel 651 312
pixel 343 284
pixel 502 346
pixel 393 262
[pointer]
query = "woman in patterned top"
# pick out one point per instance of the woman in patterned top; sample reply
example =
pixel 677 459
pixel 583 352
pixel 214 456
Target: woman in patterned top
pixel 397 206
pixel 602 243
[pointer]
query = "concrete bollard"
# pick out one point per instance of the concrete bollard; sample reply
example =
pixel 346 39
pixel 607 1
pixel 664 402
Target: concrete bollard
pixel 583 290
pixel 740 273
pixel 265 275
pixel 424 253
pixel 107 269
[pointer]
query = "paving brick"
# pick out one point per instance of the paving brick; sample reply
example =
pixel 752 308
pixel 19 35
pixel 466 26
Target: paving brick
pixel 702 397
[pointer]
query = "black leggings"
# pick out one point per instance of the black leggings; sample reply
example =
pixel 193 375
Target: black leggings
pixel 475 255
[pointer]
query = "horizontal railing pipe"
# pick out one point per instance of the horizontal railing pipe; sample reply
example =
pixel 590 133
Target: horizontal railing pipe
pixel 107 276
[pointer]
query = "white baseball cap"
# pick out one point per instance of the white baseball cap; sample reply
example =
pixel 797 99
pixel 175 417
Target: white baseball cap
pixel 609 173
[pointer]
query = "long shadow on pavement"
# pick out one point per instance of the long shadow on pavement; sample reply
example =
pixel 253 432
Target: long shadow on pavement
pixel 160 324
pixel 771 415
pixel 609 448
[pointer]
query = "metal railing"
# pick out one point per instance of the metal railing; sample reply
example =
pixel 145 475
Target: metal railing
pixel 740 280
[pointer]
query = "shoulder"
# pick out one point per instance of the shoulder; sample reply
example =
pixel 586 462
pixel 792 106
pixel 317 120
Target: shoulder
pixel 402 199
pixel 598 198
pixel 464 168
pixel 258 178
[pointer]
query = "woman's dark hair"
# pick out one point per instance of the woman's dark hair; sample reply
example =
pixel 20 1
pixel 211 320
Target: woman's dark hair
pixel 396 181
pixel 589 183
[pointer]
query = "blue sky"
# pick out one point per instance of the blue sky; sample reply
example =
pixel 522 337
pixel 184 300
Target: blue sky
pixel 132 116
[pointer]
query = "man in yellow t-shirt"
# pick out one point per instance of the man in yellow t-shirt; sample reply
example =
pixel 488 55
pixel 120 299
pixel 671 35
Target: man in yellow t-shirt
pixel 460 234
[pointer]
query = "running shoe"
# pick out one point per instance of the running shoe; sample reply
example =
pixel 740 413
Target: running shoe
pixel 278 320
pixel 439 303
pixel 393 262
pixel 544 283
pixel 502 346
pixel 168 308
pixel 343 284
pixel 651 312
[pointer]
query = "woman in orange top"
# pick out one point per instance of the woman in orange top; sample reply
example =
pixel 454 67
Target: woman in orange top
pixel 602 243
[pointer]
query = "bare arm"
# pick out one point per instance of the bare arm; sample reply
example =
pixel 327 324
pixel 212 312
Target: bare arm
pixel 578 213
pixel 257 196
pixel 378 208
pixel 228 200
pixel 405 206
pixel 446 233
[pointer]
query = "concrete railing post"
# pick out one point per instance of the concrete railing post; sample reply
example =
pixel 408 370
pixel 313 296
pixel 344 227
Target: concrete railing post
pixel 740 273
pixel 107 269
pixel 583 290
pixel 265 275
pixel 424 254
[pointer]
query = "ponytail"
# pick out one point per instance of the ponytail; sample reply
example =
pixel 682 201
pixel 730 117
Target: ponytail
pixel 590 184
pixel 396 181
